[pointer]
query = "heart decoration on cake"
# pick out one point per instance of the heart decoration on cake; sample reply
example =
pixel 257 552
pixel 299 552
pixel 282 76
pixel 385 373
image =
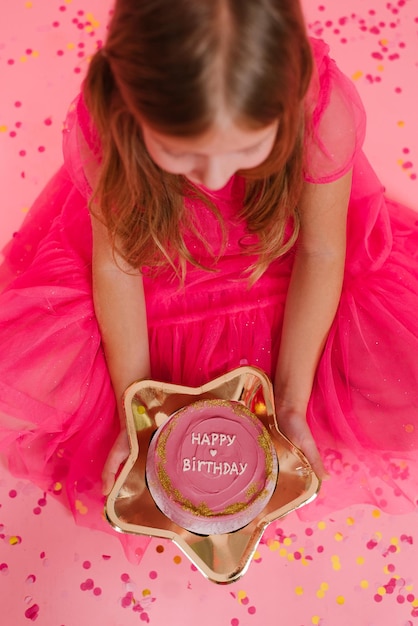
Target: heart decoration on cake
pixel 208 469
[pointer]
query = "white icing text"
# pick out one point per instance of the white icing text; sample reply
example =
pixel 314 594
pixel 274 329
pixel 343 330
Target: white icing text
pixel 211 467
pixel 214 438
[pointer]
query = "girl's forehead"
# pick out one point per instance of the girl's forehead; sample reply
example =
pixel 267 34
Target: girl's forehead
pixel 220 138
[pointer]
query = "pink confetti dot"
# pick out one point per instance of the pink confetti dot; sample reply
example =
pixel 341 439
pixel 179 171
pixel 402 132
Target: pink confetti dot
pixel 18 104
pixel 22 153
pixel 97 591
pixel 41 501
pixel 320 549
pixel 410 597
pixel 55 24
pixel 63 8
pixel 125 578
pixel 42 555
pixel 252 610
pixel 32 612
pixel 86 564
pixel 378 597
pixel 31 579
pixel 400 599
pixel 153 575
pixel 12 493
pixel 4 568
pixel 106 557
pixel 10 62
pixel 308 532
pixel 234 621
pixel 37 510
pixel 60 53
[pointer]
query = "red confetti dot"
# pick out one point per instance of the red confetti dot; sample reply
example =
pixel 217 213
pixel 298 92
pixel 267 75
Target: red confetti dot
pixel 159 549
pixel 32 612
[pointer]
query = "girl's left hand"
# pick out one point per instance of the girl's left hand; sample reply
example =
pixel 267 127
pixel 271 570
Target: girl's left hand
pixel 295 427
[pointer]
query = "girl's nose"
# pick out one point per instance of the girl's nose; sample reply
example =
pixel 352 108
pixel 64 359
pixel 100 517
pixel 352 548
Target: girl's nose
pixel 215 173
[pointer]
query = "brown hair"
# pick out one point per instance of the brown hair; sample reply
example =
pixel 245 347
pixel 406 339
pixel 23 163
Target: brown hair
pixel 169 62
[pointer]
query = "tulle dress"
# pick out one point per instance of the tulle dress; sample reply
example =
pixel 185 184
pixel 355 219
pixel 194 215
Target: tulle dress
pixel 57 408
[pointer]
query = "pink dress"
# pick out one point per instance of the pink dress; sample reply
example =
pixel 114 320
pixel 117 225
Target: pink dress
pixel 57 407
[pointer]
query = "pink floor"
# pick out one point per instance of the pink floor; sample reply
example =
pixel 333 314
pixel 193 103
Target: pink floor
pixel 358 566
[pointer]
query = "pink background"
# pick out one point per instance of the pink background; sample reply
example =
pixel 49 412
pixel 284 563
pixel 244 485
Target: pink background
pixel 356 567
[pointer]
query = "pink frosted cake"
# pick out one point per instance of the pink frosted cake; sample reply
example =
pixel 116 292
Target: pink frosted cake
pixel 211 467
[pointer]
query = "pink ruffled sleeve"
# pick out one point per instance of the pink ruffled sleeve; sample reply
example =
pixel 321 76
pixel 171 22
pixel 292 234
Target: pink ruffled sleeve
pixel 336 130
pixel 81 147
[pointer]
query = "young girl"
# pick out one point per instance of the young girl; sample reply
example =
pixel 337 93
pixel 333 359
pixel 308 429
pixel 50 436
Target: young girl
pixel 215 209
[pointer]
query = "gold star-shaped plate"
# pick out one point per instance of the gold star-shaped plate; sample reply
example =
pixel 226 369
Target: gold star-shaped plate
pixel 130 507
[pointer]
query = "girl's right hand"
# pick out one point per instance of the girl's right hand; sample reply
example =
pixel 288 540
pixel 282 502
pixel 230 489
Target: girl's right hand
pixel 118 454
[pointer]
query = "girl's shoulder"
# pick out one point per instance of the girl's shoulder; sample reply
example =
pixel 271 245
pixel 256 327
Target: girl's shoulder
pixel 335 117
pixel 81 146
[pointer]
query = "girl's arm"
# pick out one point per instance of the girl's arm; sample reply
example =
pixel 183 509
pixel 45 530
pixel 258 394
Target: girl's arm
pixel 120 310
pixel 311 304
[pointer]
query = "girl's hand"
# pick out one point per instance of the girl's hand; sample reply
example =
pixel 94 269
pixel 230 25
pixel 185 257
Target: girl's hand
pixel 295 427
pixel 118 454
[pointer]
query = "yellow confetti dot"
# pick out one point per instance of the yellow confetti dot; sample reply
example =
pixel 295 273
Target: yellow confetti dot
pixel 394 541
pixel 80 507
pixel 68 1
pixel 320 594
pixel 290 557
pixel 350 521
pixel 324 586
pixel 338 536
pixel 14 541
pixel 357 75
pixel 35 53
pixel 177 560
pixel 140 409
pixel 299 591
pixel 414 603
pixel 315 620
pixel 401 123
pixel 381 591
pixel 260 408
pixel 70 46
pixel 23 59
pixel 384 42
pixel 364 584
pixel 283 552
pixel 146 592
pixel 340 600
pixel 256 555
pixel 336 565
pixel 380 68
pixel 25 209
pixel 241 595
pixel 321 525
pixel 360 560
pixel 3 128
pixel 287 541
pixel 274 545
pixel 305 562
pixel 28 5
pixel 376 513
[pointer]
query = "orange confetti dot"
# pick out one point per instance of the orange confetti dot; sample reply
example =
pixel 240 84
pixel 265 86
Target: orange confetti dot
pixel 177 560
pixel 409 428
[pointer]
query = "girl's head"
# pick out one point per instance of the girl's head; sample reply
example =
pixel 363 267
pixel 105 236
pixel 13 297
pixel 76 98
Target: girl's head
pixel 201 89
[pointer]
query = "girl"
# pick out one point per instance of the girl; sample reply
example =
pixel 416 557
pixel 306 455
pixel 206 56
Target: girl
pixel 215 209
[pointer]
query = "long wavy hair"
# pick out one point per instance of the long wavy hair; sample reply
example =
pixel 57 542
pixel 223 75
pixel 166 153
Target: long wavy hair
pixel 169 62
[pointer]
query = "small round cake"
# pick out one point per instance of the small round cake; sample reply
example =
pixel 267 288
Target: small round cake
pixel 212 467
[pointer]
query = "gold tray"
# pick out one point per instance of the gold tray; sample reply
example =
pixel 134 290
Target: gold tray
pixel 131 509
